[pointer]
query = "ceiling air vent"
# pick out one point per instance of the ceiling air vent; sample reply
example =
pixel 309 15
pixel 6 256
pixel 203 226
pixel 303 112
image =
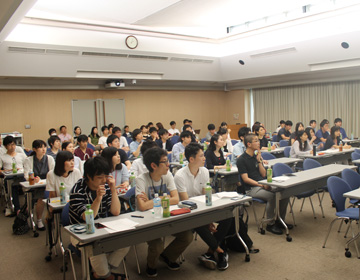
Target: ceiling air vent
pixel 203 60
pixel 65 52
pixel 104 54
pixel 276 52
pixel 148 57
pixel 183 59
pixel 26 50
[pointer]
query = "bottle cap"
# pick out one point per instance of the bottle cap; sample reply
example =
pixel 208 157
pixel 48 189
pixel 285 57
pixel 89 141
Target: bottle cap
pixel 88 206
pixel 165 194
pixel 156 195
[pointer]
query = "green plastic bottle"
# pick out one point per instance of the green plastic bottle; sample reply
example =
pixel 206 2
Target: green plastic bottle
pixel 228 168
pixel 269 174
pixel 208 195
pixel 132 180
pixel 181 160
pixel 62 194
pixel 89 218
pixel 269 146
pixel 165 203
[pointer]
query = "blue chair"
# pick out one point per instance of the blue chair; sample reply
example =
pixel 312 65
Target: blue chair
pixel 337 187
pixel 203 140
pixel 275 138
pixel 353 179
pixel 175 139
pixel 284 143
pixel 267 156
pixel 90 146
pixel 234 142
pixel 129 140
pixel 356 155
pixel 357 151
pixel 287 151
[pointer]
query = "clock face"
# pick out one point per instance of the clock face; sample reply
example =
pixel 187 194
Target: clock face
pixel 131 42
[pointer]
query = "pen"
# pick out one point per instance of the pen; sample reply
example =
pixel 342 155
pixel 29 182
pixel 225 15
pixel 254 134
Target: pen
pixel 135 216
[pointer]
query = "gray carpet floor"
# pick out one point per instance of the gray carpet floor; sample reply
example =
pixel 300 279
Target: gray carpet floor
pixel 23 257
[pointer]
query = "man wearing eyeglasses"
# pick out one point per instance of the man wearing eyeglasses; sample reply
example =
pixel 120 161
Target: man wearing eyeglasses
pixel 159 180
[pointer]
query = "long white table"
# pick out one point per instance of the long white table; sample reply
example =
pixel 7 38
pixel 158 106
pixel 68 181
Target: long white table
pixel 149 228
pixel 28 189
pixel 355 194
pixel 300 182
pixel 330 156
pixel 278 152
pixel 353 143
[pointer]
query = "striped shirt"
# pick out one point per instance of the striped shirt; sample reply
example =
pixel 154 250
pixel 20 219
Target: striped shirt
pixel 81 195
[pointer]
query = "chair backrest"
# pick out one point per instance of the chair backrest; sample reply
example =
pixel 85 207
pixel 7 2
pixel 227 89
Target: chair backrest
pixel 130 197
pixel 234 142
pixel 267 156
pixel 65 218
pixel 129 140
pixel 90 146
pixel 287 151
pixel 175 139
pixel 310 163
pixel 275 138
pixel 280 169
pixel 351 177
pixel 203 140
pixel 284 143
pixel 357 151
pixel 337 187
pixel 355 155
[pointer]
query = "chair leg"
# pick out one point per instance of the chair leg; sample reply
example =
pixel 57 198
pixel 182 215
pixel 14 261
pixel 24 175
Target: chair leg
pixel 312 206
pixel 125 270
pixel 292 204
pixel 340 225
pixel 347 230
pixel 72 265
pixel 302 204
pixel 196 235
pixel 256 220
pixel 320 201
pixel 292 212
pixel 137 260
pixel 331 224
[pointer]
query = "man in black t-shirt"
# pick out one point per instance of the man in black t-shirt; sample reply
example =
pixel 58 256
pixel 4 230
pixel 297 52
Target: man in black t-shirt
pixel 252 170
pixel 284 133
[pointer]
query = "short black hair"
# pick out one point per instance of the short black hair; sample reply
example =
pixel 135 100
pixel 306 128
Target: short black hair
pixel 64 145
pixel 186 126
pixel 312 121
pixel 249 138
pixel 82 138
pixel 222 131
pixel 96 166
pixel 323 122
pixel 111 125
pixel 163 131
pixel 223 124
pixel 153 155
pixel 111 138
pixel 60 160
pixel 152 129
pixel 116 129
pixel 103 128
pixel 51 130
pixel 243 131
pixel 149 123
pixel 184 134
pixel 8 140
pixel 282 122
pixel 36 144
pixel 185 121
pixel 172 123
pixel 62 127
pixel 108 154
pixel 76 127
pixel 192 149
pixel 288 123
pixel 147 145
pixel 135 133
pixel 211 126
pixel 52 140
pixel 337 120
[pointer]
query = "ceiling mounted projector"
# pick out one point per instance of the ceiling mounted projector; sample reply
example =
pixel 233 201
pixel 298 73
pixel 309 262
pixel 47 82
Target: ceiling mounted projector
pixel 115 84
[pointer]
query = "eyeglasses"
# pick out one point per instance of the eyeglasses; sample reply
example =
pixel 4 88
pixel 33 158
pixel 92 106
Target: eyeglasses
pixel 165 162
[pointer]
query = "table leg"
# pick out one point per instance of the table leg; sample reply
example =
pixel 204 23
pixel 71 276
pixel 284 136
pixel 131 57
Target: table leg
pixel 277 216
pixel 237 227
pixel 85 273
pixel 9 195
pixel 31 214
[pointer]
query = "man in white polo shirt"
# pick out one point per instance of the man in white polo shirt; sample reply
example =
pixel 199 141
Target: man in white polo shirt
pixel 190 181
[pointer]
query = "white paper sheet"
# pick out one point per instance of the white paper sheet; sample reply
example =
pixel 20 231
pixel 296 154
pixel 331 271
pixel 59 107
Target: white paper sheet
pixel 281 179
pixel 201 198
pixel 119 225
pixel 227 194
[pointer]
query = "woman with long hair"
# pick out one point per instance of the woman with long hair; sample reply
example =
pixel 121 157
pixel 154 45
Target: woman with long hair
pixel 214 154
pixel 333 140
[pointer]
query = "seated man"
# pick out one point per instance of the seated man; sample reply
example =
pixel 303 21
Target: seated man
pixel 83 152
pixel 323 133
pixel 338 122
pixel 239 147
pixel 190 181
pixel 179 148
pixel 123 142
pixel 284 133
pixel 153 134
pixel 113 141
pixel 6 162
pixel 102 139
pixel 64 136
pixel 312 124
pixel 98 189
pixel 159 180
pixel 189 128
pixel 164 141
pixel 211 132
pixel 55 146
pixel 173 130
pixel 135 145
pixel 252 170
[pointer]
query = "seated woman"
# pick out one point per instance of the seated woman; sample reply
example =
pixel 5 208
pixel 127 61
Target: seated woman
pixel 64 172
pixel 333 140
pixel 77 133
pixel 260 132
pixel 118 170
pixel 40 164
pixel 301 145
pixel 214 154
pixel 298 127
pixel 67 146
pixel 94 137
pixel 228 147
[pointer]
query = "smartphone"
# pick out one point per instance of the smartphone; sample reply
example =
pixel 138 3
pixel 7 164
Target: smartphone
pixel 98 225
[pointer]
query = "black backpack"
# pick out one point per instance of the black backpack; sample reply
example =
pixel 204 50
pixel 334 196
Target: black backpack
pixel 21 225
pixel 232 242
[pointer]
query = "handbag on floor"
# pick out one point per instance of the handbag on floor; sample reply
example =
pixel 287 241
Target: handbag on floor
pixel 21 225
pixel 232 242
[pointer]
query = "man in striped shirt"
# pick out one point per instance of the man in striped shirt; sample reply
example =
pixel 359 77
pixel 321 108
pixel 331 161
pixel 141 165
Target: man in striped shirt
pixel 98 189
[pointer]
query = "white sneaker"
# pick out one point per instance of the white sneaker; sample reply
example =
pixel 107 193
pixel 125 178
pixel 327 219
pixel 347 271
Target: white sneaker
pixel 8 212
pixel 40 225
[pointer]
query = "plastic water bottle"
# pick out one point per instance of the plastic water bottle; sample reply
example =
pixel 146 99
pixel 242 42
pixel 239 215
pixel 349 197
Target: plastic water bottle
pixel 205 146
pixel 31 178
pixel 132 180
pixel 352 136
pixel 208 195
pixel 157 206
pixel 62 194
pixel 228 168
pixel 14 169
pixel 181 160
pixel 341 146
pixel 269 146
pixel 269 174
pixel 165 203
pixel 89 217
